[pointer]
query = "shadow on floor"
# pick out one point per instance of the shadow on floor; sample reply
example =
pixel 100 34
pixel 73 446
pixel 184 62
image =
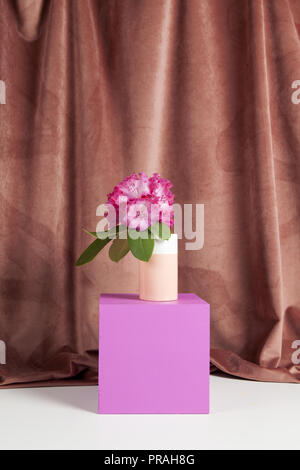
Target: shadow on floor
pixel 84 398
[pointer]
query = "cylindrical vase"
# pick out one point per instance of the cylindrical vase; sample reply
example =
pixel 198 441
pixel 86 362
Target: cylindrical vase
pixel 158 278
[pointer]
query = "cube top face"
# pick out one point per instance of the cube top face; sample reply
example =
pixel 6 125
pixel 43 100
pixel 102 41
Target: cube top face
pixel 153 356
pixel 133 299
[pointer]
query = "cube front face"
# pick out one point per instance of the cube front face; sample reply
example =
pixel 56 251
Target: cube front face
pixel 153 356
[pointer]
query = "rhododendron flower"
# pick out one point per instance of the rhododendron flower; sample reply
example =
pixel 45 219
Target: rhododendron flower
pixel 140 201
pixel 136 204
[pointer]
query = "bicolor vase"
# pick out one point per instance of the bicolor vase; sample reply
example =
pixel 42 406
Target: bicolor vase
pixel 158 278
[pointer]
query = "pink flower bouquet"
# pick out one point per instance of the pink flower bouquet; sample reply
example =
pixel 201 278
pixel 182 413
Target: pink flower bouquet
pixel 138 210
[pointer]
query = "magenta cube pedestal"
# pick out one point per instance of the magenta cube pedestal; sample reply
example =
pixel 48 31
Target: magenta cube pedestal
pixel 153 356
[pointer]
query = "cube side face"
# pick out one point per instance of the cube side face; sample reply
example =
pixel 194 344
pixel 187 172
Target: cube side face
pixel 154 358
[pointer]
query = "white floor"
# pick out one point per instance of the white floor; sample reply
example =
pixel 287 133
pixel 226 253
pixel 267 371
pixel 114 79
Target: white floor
pixel 244 415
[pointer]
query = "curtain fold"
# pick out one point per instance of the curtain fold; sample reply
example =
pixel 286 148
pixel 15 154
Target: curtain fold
pixel 197 90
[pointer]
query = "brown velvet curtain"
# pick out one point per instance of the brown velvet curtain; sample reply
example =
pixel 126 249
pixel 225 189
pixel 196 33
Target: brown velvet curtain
pixel 198 90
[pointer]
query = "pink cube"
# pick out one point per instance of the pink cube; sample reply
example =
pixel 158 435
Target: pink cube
pixel 153 356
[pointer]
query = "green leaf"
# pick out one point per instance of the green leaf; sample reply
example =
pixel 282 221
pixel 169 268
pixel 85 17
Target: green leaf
pixel 141 248
pixel 92 250
pixel 94 234
pixel 118 249
pixel 160 230
pixel 135 234
pixel 111 233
